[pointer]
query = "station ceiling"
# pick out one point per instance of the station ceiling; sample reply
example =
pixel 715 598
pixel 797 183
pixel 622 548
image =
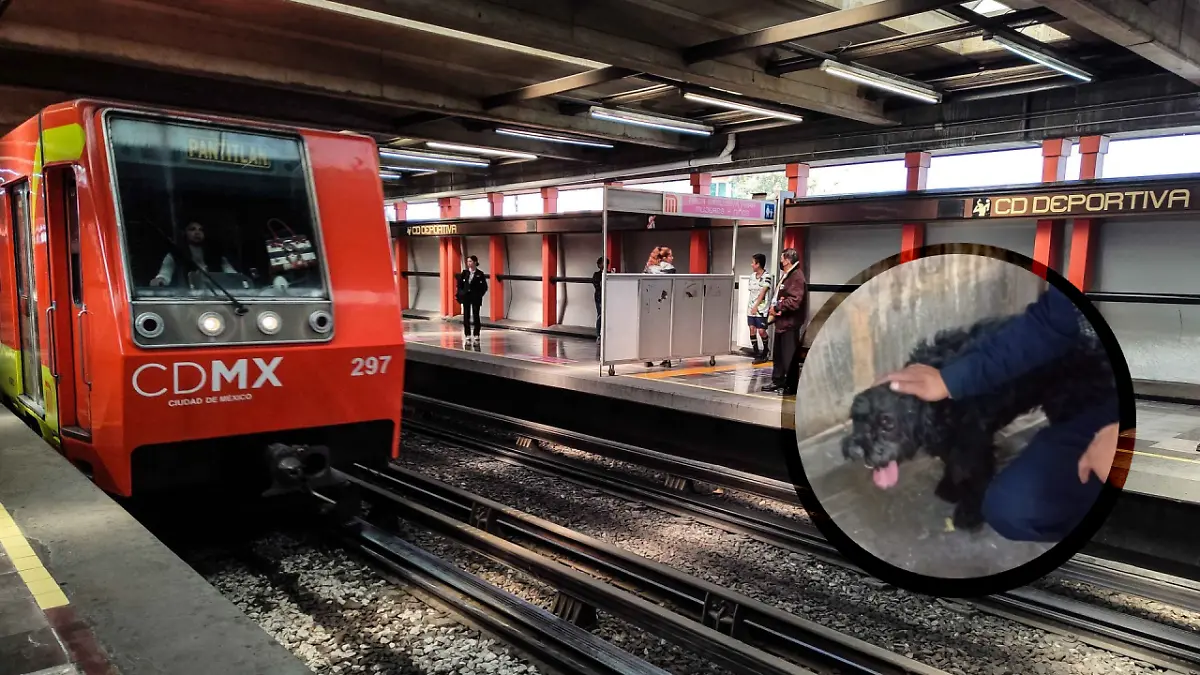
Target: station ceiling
pixel 595 89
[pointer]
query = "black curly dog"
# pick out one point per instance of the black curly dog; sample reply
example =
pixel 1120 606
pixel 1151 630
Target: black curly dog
pixel 889 428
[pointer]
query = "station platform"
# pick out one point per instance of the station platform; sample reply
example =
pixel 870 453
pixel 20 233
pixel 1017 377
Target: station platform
pixel 729 390
pixel 1166 464
pixel 85 589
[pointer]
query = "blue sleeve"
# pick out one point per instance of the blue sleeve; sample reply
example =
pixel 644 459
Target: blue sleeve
pixel 1043 332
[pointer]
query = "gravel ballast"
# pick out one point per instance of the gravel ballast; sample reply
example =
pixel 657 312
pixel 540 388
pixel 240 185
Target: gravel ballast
pixel 338 616
pixel 943 634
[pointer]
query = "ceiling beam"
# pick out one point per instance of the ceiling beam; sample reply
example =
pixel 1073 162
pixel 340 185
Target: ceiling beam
pixel 644 94
pixel 349 86
pixel 1166 33
pixel 902 43
pixel 534 25
pixel 1138 104
pixel 831 22
pixel 997 26
pixel 562 85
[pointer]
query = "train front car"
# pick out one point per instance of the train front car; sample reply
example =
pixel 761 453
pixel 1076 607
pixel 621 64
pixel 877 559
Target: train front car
pixel 252 336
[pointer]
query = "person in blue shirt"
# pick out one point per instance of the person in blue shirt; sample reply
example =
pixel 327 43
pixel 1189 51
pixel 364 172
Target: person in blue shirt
pixel 1047 490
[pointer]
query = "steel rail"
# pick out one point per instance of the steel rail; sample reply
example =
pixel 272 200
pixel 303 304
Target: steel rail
pixel 1089 569
pixel 707 605
pixel 1107 629
pixel 697 638
pixel 552 640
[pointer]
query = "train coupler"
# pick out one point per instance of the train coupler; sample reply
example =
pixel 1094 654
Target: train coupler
pixel 297 468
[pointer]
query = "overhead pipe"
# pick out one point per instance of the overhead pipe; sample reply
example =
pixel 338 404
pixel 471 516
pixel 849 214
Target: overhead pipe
pixel 724 157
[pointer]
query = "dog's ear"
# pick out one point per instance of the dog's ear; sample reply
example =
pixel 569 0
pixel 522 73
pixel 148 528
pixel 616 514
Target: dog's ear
pixel 851 450
pixel 860 406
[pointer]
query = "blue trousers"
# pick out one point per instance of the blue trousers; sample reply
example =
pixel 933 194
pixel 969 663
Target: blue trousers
pixel 1038 497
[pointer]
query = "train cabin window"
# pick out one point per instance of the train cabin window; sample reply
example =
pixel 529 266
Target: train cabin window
pixel 205 205
pixel 71 210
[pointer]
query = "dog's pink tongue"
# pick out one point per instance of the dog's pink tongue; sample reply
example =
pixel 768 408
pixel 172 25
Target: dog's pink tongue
pixel 887 476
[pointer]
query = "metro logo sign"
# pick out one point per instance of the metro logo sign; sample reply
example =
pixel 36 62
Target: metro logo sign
pixel 188 378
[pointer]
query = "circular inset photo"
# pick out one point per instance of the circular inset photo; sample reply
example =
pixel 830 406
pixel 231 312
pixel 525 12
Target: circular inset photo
pixel 957 420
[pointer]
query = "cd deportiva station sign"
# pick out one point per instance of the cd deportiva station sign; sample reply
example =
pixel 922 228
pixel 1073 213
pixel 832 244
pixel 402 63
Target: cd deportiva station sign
pixel 1087 199
pixel 1098 203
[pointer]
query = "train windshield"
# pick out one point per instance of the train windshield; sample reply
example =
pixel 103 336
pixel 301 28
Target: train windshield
pixel 208 209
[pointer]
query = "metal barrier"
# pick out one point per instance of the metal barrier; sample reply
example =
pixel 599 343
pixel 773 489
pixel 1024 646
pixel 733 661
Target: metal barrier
pixel 653 317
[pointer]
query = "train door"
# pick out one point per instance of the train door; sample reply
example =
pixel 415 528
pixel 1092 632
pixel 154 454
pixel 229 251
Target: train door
pixel 63 235
pixel 27 301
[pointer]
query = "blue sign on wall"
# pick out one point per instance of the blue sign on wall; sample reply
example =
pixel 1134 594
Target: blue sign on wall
pixel 769 211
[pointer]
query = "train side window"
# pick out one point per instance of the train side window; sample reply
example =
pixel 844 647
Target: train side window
pixel 71 211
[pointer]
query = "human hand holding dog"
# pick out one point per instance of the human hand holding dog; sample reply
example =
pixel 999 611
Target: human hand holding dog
pixel 1098 458
pixel 924 382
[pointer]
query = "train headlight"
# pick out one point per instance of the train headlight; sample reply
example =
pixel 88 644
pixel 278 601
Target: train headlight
pixel 320 321
pixel 211 324
pixel 269 323
pixel 149 325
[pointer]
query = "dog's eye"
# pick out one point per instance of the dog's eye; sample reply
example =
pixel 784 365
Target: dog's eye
pixel 887 423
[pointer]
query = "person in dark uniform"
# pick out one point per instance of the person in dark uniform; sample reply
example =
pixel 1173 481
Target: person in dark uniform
pixel 597 280
pixel 472 286
pixel 1048 489
pixel 787 314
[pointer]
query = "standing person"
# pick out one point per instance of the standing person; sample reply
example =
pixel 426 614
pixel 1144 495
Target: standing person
pixel 667 261
pixel 597 280
pixel 756 312
pixel 472 286
pixel 653 262
pixel 660 262
pixel 787 315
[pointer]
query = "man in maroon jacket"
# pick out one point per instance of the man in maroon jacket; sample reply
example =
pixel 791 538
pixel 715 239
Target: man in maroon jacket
pixel 788 314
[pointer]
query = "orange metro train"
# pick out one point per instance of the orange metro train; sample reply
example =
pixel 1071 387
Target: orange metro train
pixel 188 300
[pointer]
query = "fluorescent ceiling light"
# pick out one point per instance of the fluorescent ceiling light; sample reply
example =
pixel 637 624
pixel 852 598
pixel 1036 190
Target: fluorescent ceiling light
pixel 405 169
pixel 886 81
pixel 410 24
pixel 552 138
pixel 650 121
pixel 1042 59
pixel 432 158
pixel 743 107
pixel 437 145
pixel 390 176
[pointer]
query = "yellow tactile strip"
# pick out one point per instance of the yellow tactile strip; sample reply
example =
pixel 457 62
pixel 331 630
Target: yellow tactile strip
pixel 35 575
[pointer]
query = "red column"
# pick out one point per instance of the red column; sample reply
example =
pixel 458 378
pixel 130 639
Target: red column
pixel 451 257
pixel 912 235
pixel 612 250
pixel 449 207
pixel 797 182
pixel 698 246
pixel 400 251
pixel 1047 244
pixel 549 271
pixel 1085 231
pixel 496 203
pixel 496 287
pixel 549 200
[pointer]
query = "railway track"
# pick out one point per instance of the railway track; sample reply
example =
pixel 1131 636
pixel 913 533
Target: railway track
pixel 1104 628
pixel 554 642
pixel 736 632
